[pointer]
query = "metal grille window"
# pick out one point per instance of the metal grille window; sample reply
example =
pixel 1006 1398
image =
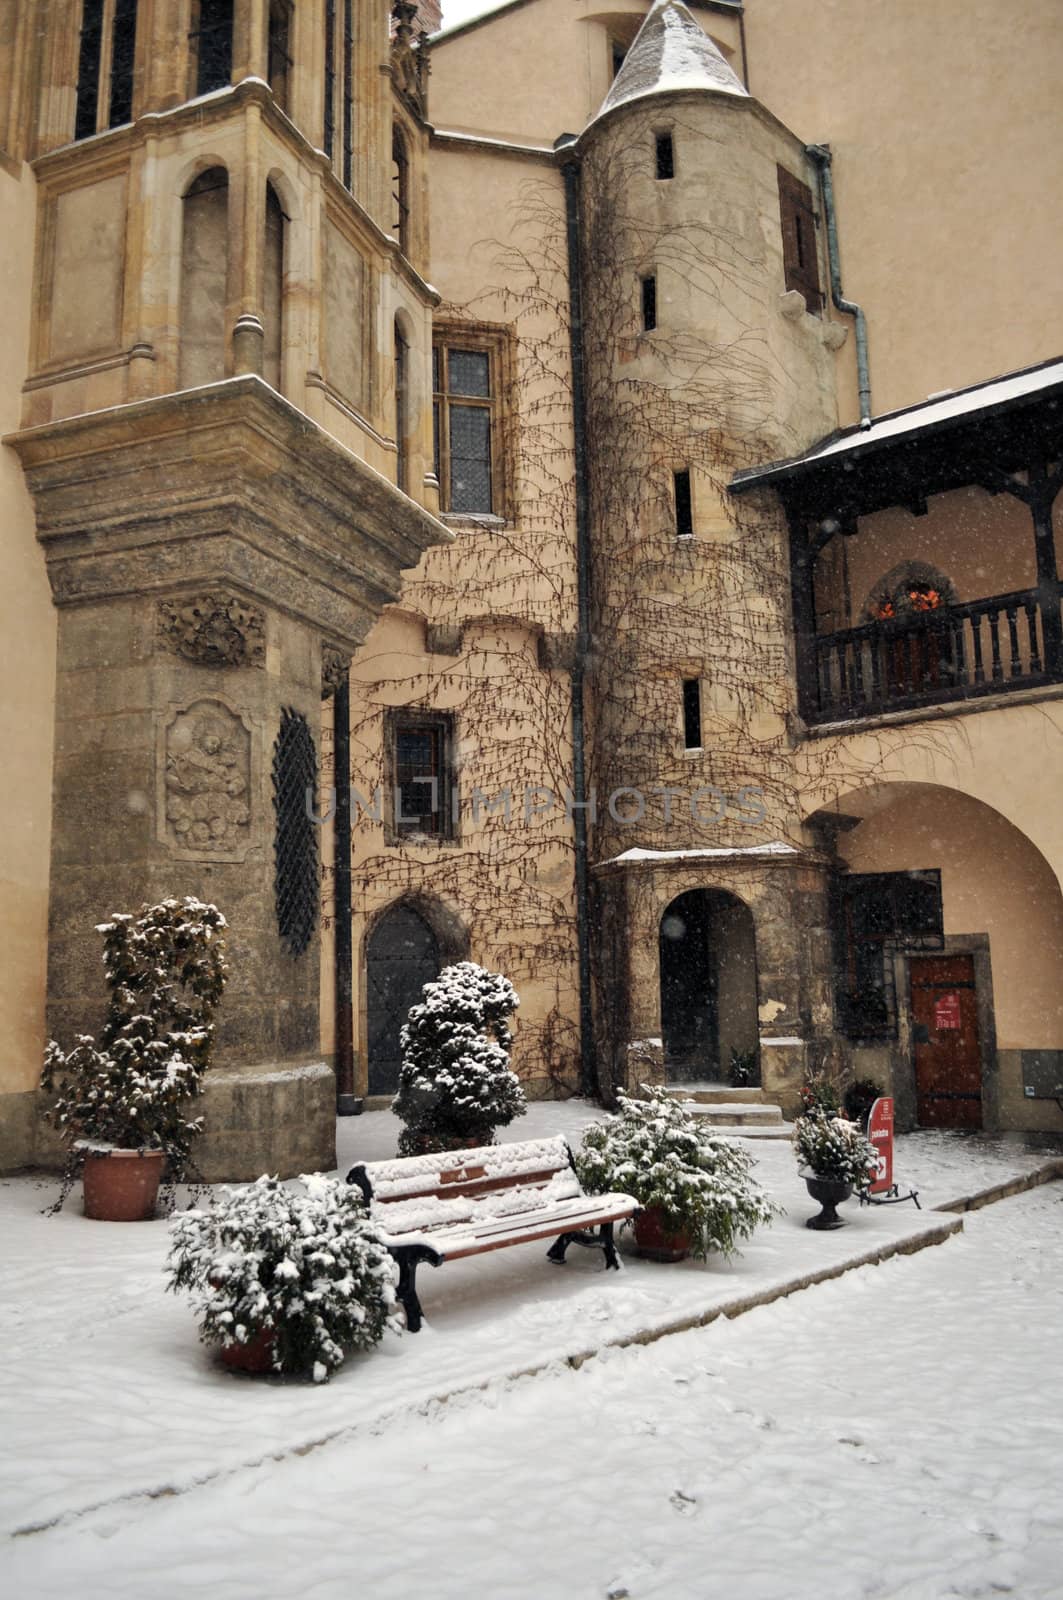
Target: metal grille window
pixel 876 913
pixel 105 66
pixel 465 395
pixel 295 879
pixel 421 758
pixel 211 44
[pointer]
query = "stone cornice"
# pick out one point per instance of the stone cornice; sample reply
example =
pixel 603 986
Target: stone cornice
pixel 231 482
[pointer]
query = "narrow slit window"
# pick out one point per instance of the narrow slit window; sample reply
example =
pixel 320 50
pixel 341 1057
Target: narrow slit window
pixel 665 156
pixel 402 472
pixel 692 713
pixel 649 303
pixel 212 45
pixel 684 505
pixel 280 59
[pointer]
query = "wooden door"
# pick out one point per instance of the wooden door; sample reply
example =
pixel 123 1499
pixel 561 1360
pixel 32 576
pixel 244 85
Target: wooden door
pixel 948 1059
pixel 401 958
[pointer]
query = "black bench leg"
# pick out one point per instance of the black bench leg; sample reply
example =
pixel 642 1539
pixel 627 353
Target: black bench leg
pixel 611 1257
pixel 556 1252
pixel 407 1290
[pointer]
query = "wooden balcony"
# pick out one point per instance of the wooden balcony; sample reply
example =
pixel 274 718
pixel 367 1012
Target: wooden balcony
pixel 979 647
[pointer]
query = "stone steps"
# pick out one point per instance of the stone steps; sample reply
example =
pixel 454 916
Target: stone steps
pixel 743 1112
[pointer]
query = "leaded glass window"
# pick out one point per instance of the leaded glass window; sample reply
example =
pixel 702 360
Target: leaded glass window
pixel 465 422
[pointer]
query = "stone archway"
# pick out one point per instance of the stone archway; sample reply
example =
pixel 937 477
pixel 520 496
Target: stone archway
pixel 402 955
pixel 708 979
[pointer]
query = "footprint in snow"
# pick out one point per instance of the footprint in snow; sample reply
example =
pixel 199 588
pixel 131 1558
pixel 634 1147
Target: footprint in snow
pixel 685 1504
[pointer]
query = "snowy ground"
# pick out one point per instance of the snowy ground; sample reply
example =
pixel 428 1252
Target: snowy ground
pixel 902 1421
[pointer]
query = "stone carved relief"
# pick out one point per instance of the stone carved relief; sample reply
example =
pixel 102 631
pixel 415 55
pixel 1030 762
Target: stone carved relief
pixel 213 630
pixel 409 58
pixel 206 781
pixel 335 666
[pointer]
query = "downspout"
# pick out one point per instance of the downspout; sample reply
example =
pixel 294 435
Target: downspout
pixel 821 155
pixel 570 167
pixel 347 1103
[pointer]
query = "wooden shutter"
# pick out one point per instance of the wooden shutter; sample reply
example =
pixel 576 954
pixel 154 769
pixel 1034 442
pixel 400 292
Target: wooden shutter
pixel 799 244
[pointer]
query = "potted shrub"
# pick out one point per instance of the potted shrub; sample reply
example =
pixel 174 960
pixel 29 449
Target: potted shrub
pixel 123 1101
pixel 743 1068
pixel 285 1279
pixel 834 1158
pixel 455 1086
pixel 695 1187
pixel 859 1097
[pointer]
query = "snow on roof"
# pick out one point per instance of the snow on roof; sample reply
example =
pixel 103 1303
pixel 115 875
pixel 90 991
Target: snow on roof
pixel 670 52
pixel 776 848
pixel 928 414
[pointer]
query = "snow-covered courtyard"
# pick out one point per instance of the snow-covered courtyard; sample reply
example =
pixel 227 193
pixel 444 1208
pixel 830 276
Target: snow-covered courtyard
pixel 896 1431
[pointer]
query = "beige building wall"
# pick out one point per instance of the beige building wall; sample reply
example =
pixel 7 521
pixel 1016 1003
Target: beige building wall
pixel 27 706
pixel 946 123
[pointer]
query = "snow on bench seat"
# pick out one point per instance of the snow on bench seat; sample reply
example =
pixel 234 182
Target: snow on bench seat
pixel 446 1206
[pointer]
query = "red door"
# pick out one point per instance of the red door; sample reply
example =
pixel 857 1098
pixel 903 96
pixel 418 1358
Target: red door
pixel 948 1059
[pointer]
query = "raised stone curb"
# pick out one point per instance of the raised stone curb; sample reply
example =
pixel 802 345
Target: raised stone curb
pixel 1051 1172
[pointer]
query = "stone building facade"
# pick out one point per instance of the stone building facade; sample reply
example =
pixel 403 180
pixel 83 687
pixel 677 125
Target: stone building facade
pixel 507 438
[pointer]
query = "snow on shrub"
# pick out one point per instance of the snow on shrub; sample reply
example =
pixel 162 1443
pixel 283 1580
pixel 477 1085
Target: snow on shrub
pixel 670 1158
pixel 830 1147
pixel 165 969
pixel 308 1265
pixel 455 1086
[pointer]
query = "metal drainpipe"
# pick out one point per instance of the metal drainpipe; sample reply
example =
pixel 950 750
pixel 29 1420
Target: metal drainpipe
pixel 565 147
pixel 347 1103
pixel 821 155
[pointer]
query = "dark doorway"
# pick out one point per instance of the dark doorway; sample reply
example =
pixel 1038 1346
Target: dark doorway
pixel 948 1060
pixel 708 985
pixel 402 955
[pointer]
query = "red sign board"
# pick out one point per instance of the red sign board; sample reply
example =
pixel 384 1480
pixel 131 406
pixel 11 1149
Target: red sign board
pixel 947 1012
pixel 880 1133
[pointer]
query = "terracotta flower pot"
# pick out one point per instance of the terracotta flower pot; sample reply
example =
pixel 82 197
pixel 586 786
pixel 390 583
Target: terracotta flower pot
pixel 254 1356
pixel 654 1240
pixel 830 1192
pixel 122 1185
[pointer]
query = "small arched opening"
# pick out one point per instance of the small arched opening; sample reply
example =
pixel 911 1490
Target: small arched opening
pixel 204 278
pixel 708 974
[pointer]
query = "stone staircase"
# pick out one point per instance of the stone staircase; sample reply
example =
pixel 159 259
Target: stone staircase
pixel 743 1112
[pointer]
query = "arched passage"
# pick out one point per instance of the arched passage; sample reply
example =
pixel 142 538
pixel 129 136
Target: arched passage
pixel 960 1014
pixel 402 955
pixel 708 976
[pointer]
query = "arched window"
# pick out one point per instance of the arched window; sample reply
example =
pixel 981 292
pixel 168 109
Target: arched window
pixel 273 289
pixel 204 278
pixel 402 366
pixel 400 190
pixel 105 66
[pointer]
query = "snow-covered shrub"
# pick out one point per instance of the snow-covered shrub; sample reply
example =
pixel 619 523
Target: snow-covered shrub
pixel 455 1086
pixel 830 1147
pixel 131 1088
pixel 670 1158
pixel 307 1264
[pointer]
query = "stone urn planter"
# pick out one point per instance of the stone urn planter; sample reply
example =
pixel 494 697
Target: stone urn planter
pixel 829 1192
pixel 122 1185
pixel 655 1241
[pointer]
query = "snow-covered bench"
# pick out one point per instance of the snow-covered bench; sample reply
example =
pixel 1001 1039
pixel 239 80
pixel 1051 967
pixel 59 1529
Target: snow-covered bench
pixel 462 1203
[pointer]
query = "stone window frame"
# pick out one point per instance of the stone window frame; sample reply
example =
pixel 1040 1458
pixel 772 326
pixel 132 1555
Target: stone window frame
pixel 497 342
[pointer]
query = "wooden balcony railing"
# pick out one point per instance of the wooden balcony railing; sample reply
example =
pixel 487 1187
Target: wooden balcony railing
pixel 977 648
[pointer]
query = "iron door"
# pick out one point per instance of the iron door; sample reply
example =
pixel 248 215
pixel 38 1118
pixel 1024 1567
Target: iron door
pixel 948 1059
pixel 402 957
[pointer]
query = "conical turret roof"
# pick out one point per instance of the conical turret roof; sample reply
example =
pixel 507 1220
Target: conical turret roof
pixel 670 52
